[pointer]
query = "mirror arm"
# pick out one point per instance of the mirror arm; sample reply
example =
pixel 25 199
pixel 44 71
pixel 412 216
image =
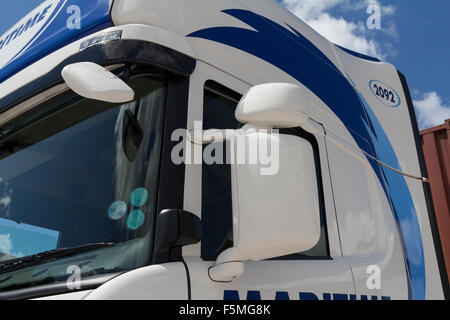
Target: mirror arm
pixel 229 266
pixel 202 137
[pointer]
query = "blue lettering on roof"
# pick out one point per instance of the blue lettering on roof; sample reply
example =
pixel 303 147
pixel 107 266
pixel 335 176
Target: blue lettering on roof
pixel 45 30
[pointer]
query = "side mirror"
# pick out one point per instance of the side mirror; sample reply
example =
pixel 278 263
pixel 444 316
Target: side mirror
pixel 273 215
pixel 92 81
pixel 275 105
pixel 175 229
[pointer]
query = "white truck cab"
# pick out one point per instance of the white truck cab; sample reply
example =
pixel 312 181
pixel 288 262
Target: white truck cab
pixel 118 135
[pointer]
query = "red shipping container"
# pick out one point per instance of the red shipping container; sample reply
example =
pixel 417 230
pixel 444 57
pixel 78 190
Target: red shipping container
pixel 436 147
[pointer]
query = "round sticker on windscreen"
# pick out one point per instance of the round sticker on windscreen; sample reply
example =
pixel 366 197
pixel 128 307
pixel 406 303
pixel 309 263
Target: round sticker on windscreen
pixel 135 219
pixel 139 197
pixel 117 210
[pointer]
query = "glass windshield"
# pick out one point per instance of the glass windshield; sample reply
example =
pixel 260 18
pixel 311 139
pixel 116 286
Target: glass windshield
pixel 81 172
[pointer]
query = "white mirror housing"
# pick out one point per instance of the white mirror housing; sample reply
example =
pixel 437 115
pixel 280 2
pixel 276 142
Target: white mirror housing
pixel 273 215
pixel 270 105
pixel 275 105
pixel 279 214
pixel 92 81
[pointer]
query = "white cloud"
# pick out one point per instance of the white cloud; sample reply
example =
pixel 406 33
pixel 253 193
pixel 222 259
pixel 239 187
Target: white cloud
pixel 6 246
pixel 5 201
pixel 310 9
pixel 431 111
pixel 5 243
pixel 338 30
pixel 345 34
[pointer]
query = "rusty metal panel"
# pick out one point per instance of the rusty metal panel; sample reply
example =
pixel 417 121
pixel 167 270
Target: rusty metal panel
pixel 436 147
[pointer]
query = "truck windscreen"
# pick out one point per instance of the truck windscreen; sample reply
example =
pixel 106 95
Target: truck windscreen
pixel 67 180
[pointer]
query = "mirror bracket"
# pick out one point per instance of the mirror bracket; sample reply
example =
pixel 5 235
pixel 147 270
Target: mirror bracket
pixel 175 229
pixel 229 266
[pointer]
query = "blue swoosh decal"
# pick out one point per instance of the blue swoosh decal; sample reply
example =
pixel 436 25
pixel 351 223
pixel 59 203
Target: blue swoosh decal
pixel 291 52
pixel 49 20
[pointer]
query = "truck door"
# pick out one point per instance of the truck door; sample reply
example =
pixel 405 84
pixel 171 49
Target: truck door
pixel 320 273
pixel 369 235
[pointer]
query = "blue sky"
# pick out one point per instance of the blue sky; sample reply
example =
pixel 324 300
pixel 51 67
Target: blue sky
pixel 20 240
pixel 414 36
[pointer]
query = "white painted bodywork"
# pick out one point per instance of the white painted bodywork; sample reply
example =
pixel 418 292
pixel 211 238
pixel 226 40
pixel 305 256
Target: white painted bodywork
pixel 157 282
pixel 361 228
pixel 133 32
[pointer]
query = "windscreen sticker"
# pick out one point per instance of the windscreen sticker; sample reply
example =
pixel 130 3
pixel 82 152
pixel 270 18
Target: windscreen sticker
pixel 135 220
pixel 139 197
pixel 117 210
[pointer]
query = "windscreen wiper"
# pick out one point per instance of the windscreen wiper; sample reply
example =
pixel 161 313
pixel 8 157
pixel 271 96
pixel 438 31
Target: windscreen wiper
pixel 19 263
